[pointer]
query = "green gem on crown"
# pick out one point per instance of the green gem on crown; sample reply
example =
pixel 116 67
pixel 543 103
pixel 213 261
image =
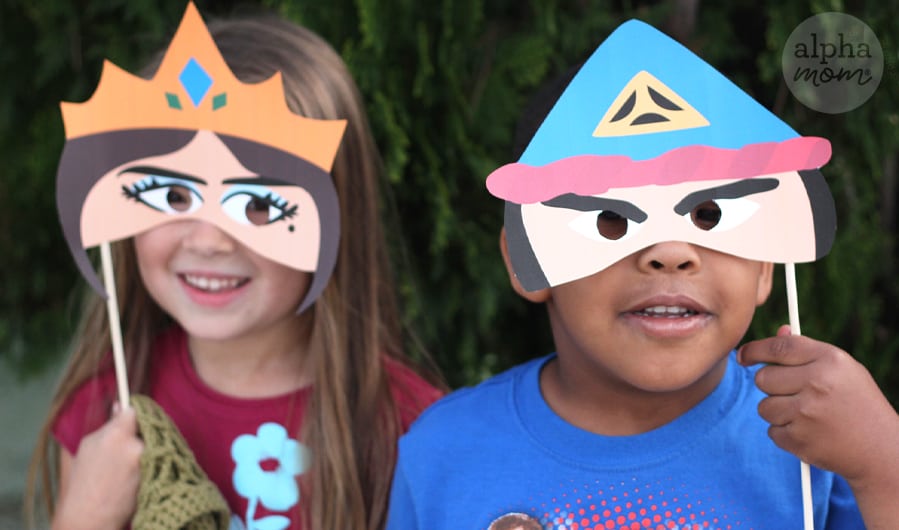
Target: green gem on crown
pixel 173 101
pixel 219 101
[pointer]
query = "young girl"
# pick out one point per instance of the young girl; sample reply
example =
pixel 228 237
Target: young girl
pixel 290 387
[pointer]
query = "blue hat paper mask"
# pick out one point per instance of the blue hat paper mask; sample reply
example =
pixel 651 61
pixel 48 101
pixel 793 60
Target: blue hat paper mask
pixel 648 147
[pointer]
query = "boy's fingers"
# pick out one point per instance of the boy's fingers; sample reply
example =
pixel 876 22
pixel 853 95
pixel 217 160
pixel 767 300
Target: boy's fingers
pixel 784 436
pixel 786 350
pixel 779 410
pixel 781 380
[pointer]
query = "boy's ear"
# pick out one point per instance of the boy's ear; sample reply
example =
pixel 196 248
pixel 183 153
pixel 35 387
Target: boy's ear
pixel 539 296
pixel 766 278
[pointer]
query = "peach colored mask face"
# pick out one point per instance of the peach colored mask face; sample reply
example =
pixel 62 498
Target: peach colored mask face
pixel 766 218
pixel 205 181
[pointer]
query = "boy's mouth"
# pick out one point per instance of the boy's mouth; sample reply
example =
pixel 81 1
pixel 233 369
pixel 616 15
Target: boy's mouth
pixel 666 311
pixel 668 316
pixel 213 284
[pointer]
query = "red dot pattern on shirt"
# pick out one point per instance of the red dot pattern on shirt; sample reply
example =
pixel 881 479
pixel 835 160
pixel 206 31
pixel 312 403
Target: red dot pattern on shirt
pixel 628 506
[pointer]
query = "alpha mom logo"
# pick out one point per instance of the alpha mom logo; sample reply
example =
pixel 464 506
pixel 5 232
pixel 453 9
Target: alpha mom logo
pixel 826 51
pixel 832 62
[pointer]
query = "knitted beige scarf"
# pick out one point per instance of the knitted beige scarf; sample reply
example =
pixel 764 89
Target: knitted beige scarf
pixel 174 493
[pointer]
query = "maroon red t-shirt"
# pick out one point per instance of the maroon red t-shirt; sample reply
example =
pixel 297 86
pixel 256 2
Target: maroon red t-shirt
pixel 248 447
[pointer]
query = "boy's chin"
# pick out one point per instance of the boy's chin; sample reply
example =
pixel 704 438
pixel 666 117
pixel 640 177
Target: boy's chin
pixel 681 378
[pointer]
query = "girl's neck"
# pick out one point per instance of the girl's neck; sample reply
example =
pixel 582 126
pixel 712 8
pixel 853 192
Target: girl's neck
pixel 266 363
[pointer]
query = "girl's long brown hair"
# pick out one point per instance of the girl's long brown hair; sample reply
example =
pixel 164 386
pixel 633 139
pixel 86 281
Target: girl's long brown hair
pixel 351 425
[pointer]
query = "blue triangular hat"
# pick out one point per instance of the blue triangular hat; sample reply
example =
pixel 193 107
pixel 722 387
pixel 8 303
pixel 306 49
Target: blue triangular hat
pixel 734 119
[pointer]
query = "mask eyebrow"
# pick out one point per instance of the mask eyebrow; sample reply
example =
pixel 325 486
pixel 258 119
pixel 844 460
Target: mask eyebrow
pixel 258 181
pixel 160 172
pixel 728 191
pixel 584 203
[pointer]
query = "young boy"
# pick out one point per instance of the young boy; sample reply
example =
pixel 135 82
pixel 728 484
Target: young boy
pixel 646 213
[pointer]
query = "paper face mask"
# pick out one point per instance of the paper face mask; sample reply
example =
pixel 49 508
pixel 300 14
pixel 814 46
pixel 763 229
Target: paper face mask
pixel 196 143
pixel 643 148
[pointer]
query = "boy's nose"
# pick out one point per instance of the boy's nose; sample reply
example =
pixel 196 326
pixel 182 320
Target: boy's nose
pixel 207 239
pixel 669 256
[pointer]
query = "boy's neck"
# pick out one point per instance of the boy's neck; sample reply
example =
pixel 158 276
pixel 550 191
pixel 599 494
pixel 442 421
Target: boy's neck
pixel 603 407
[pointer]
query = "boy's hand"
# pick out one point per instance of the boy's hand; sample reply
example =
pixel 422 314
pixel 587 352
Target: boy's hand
pixel 824 407
pixel 100 488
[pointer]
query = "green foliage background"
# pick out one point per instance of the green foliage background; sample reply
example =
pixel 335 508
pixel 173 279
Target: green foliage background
pixel 445 81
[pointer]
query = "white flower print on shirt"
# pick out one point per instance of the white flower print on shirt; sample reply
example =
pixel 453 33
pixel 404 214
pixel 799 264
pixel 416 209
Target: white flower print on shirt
pixel 267 465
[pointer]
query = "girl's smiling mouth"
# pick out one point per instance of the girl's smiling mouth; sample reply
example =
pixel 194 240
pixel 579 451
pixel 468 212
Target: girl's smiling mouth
pixel 213 290
pixel 213 283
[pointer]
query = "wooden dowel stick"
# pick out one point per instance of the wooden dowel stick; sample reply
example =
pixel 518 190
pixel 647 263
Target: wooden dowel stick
pixel 115 328
pixel 808 513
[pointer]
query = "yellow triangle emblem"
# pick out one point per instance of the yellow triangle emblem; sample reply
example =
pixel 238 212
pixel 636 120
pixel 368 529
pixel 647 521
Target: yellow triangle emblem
pixel 646 105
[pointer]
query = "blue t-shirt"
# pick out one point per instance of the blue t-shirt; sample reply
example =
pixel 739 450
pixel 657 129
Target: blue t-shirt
pixel 498 449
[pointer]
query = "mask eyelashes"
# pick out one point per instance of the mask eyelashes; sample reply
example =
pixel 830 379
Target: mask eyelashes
pixel 165 194
pixel 287 211
pixel 281 203
pixel 142 185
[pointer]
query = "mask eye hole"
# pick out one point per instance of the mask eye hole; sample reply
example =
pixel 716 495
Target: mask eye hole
pixel 604 225
pixel 706 215
pixel 610 225
pixel 179 199
pixel 721 214
pixel 260 211
pixel 164 194
pixel 256 205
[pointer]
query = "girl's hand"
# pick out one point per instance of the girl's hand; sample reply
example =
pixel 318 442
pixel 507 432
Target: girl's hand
pixel 98 487
pixel 824 407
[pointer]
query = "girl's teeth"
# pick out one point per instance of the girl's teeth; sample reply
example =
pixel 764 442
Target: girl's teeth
pixel 212 284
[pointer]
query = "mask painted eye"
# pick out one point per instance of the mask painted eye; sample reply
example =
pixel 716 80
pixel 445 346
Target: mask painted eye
pixel 165 194
pixel 721 214
pixel 256 205
pixel 604 225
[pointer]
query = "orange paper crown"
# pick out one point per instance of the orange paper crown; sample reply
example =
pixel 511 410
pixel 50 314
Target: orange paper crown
pixel 194 89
